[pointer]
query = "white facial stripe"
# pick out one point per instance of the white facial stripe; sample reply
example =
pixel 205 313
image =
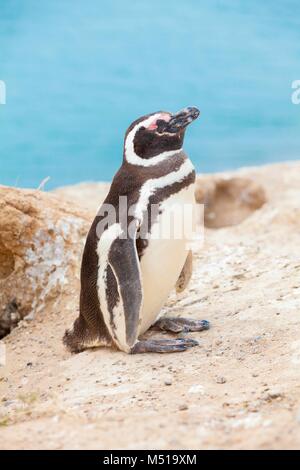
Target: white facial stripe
pixel 134 159
pixel 130 154
pixel 151 185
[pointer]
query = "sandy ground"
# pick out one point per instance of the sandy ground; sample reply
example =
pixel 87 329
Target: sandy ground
pixel 240 389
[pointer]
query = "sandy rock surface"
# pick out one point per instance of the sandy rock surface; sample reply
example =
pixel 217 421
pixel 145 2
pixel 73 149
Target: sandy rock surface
pixel 87 196
pixel 41 239
pixel 240 389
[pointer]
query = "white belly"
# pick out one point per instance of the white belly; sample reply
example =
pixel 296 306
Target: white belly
pixel 165 255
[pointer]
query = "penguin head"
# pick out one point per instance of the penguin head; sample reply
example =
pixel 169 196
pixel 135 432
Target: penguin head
pixel 153 134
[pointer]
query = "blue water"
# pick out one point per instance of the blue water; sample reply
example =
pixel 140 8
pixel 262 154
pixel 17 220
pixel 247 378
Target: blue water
pixel 78 72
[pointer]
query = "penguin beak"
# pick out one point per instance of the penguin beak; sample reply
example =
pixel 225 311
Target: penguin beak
pixel 182 119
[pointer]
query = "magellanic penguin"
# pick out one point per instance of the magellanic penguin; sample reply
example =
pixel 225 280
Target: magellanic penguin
pixel 128 270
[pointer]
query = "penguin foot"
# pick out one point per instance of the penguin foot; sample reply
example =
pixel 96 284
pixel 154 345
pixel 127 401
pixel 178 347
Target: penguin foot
pixel 178 325
pixel 163 345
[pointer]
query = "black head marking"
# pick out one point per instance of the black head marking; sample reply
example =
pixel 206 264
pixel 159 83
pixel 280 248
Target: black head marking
pixel 149 143
pixel 158 132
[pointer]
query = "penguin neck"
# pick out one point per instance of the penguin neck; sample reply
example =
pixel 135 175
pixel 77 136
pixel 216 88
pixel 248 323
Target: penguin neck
pixel 131 157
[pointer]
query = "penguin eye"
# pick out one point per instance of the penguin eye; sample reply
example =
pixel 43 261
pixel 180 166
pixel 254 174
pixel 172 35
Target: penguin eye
pixel 161 125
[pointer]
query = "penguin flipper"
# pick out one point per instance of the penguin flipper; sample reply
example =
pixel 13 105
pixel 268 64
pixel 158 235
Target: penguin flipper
pixel 124 262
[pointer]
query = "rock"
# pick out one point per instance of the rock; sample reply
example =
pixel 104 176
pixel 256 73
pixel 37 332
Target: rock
pixel 196 389
pixel 41 238
pixel 273 394
pixel 87 195
pixel 220 380
pixel 10 317
pixel 183 407
pixel 258 255
pixel 228 201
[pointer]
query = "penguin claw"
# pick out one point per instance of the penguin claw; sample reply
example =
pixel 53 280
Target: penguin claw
pixel 178 325
pixel 163 345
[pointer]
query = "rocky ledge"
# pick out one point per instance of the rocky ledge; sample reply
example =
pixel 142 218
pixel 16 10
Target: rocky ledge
pixel 239 389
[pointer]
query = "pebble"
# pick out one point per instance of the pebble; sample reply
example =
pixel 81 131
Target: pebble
pixel 197 388
pixel 183 407
pixel 221 380
pixel 168 382
pixel 275 395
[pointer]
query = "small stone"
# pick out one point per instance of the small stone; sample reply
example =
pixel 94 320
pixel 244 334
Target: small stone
pixel 183 407
pixel 275 395
pixel 257 338
pixel 197 389
pixel 221 380
pixel 168 382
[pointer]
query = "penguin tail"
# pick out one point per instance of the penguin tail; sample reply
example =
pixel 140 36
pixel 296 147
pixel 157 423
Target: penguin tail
pixel 80 337
pixel 72 342
pixel 75 338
